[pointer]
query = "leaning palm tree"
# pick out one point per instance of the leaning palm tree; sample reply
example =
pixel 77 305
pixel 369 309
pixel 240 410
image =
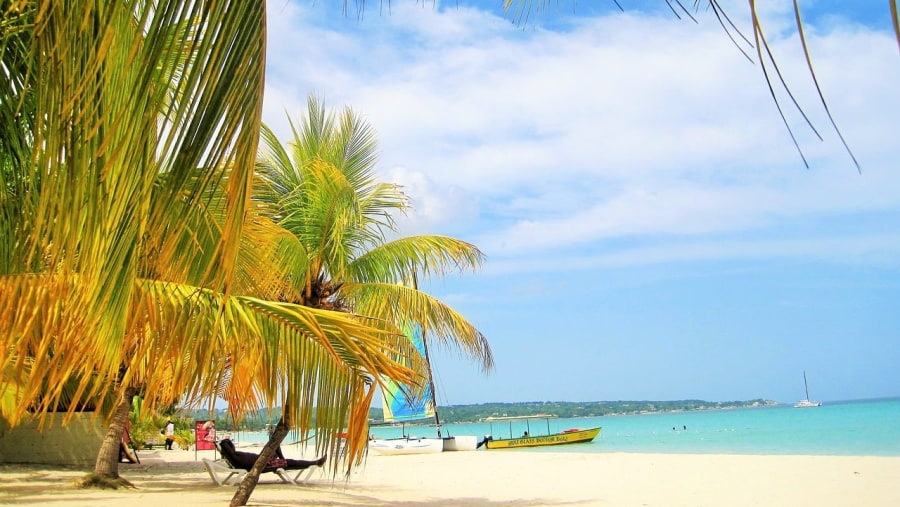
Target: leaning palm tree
pixel 322 189
pixel 119 268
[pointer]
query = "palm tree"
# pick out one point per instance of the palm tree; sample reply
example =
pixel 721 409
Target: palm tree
pixel 121 267
pixel 322 189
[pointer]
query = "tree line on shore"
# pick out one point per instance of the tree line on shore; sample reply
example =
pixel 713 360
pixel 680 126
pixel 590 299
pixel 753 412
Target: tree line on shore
pixel 478 412
pixel 484 411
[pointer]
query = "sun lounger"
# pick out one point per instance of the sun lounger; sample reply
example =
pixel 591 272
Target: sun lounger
pixel 221 472
pixel 235 464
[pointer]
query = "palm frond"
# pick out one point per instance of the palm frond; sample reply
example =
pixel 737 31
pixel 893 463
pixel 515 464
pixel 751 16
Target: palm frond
pixel 429 256
pixel 441 324
pixel 522 10
pixel 119 100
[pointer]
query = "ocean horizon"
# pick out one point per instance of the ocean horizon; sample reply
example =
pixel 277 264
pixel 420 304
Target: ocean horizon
pixel 841 428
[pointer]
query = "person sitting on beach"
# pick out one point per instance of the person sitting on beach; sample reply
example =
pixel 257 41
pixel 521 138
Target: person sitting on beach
pixel 246 460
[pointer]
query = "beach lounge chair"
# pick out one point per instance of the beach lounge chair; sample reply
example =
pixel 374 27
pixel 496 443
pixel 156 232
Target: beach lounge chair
pixel 221 472
pixel 236 464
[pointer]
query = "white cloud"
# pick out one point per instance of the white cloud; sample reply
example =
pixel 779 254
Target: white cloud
pixel 532 140
pixel 434 206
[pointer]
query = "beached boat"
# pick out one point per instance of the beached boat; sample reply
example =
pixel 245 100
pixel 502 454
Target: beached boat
pixel 806 403
pixel 460 443
pixel 399 406
pixel 407 445
pixel 571 436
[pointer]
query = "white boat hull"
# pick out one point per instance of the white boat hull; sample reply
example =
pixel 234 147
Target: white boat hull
pixel 807 403
pixel 397 446
pixel 461 443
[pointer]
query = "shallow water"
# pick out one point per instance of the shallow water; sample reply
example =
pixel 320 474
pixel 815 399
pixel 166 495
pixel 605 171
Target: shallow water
pixel 855 428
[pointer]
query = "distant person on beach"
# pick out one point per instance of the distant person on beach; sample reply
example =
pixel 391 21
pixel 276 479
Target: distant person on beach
pixel 169 431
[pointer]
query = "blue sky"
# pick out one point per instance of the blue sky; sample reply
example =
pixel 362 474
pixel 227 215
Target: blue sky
pixel 650 229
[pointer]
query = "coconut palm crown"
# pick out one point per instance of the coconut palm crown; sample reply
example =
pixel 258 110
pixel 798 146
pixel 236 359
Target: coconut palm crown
pixel 322 187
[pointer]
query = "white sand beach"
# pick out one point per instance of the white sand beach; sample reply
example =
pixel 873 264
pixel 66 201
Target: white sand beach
pixel 493 478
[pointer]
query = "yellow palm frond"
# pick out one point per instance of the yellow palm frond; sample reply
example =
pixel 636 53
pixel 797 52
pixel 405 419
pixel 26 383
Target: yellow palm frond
pixel 113 101
pixel 441 324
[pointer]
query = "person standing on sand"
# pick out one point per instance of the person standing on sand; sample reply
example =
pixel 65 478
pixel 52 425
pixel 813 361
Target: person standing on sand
pixel 169 431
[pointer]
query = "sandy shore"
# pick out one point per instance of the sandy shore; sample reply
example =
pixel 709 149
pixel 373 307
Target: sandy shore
pixel 494 478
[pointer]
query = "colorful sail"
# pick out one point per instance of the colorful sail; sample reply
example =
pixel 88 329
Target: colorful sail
pixel 397 404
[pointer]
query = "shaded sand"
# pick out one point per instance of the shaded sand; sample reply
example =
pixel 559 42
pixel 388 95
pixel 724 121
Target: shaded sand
pixel 493 478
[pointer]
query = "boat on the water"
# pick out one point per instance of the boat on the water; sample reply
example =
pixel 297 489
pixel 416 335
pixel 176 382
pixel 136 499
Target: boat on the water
pixel 572 436
pixel 806 403
pixel 528 439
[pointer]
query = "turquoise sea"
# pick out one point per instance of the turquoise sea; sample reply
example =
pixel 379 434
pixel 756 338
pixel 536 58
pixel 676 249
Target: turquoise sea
pixel 851 428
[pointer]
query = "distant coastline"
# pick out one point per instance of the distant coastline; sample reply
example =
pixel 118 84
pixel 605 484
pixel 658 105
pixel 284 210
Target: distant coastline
pixel 452 414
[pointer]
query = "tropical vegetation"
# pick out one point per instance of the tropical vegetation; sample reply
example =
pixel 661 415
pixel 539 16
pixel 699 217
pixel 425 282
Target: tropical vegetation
pixel 139 253
pixel 133 258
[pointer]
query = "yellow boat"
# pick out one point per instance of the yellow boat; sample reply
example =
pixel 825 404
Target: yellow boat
pixel 571 436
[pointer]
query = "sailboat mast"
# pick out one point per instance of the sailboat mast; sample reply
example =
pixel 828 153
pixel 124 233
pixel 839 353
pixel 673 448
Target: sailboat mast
pixel 437 420
pixel 805 386
pixel 434 405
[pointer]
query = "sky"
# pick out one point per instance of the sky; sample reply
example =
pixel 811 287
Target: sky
pixel 650 230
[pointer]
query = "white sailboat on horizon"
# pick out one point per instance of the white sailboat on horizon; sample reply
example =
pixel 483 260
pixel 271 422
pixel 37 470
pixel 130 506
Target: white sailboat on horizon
pixel 806 403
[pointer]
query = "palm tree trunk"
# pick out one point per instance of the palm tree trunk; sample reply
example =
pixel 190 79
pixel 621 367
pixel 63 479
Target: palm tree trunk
pixel 107 464
pixel 248 484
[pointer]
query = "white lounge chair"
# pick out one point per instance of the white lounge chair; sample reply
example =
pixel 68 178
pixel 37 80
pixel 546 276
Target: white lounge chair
pixel 221 472
pixel 299 478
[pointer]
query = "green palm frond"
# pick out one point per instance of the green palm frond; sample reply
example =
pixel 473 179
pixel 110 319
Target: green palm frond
pixel 441 324
pixel 344 141
pixel 121 98
pixel 272 341
pixel 277 176
pixel 429 256
pixel 895 19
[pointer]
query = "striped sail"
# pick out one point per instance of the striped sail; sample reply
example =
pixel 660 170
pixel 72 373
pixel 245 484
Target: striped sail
pixel 397 405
